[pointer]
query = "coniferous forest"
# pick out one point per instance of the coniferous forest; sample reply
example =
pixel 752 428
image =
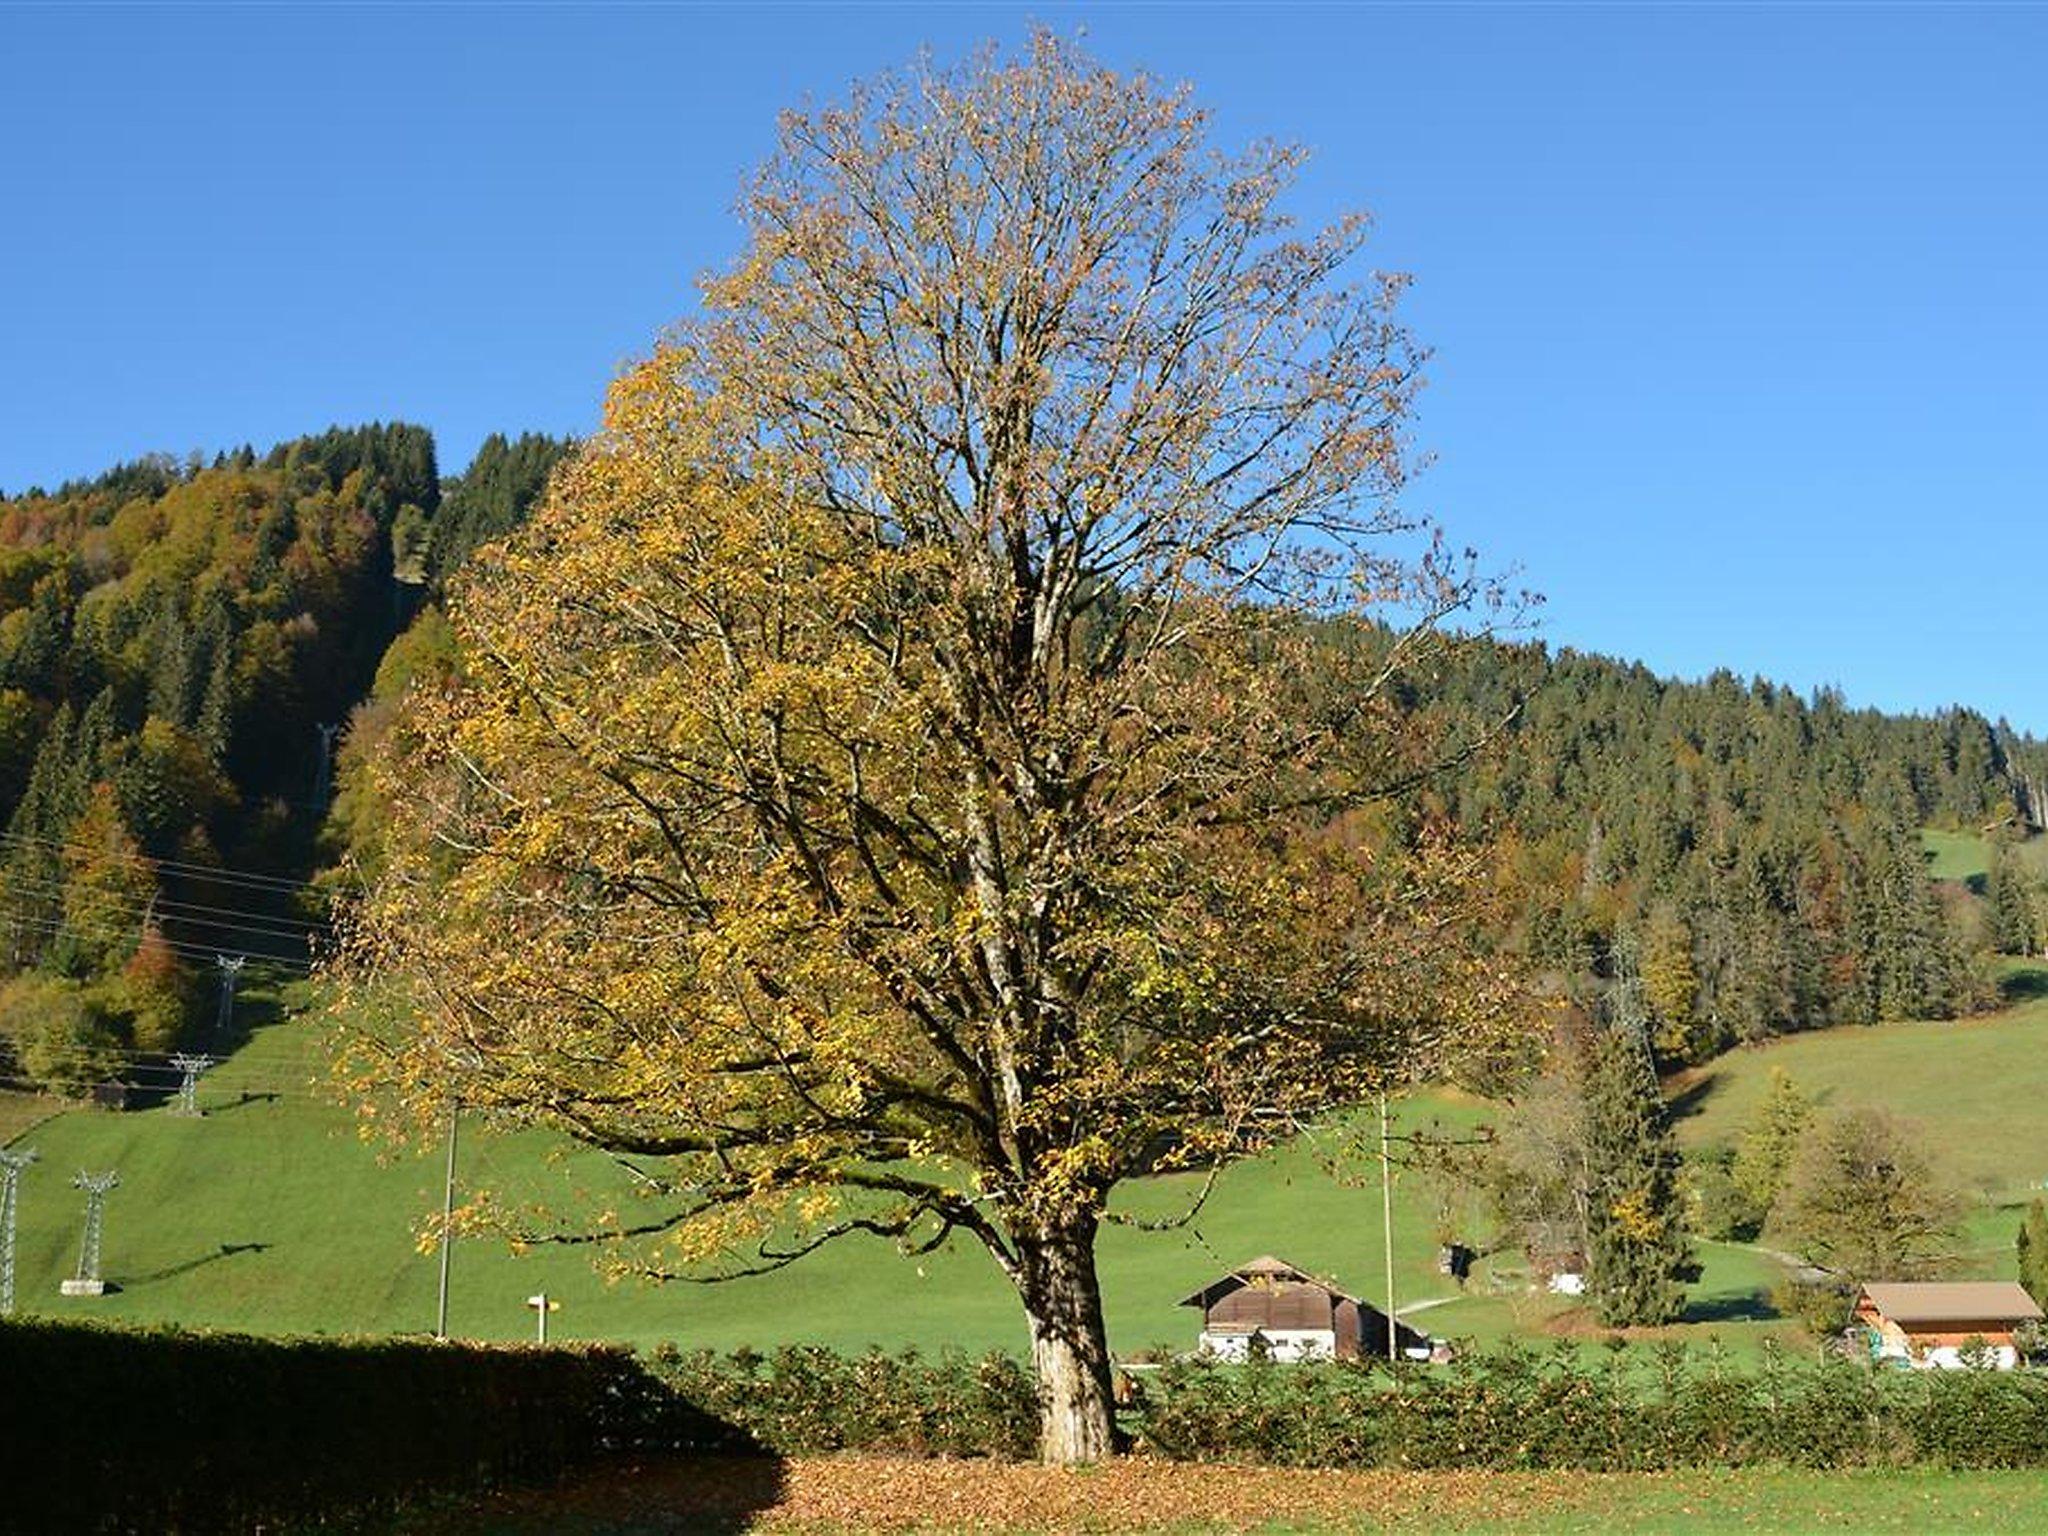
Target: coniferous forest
pixel 181 645
pixel 187 649
pixel 1760 851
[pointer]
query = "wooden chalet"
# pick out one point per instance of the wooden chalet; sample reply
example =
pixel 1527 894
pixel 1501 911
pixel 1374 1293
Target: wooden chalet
pixel 1288 1314
pixel 1933 1323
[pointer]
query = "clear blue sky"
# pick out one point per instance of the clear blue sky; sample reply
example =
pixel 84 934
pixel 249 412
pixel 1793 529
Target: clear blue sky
pixel 1740 313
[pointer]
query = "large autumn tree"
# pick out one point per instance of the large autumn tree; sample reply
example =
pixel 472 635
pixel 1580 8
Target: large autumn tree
pixel 927 763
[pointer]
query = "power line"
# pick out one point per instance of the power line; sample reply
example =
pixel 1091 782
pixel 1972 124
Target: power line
pixel 61 919
pixel 301 1088
pixel 286 925
pixel 58 927
pixel 218 874
pixel 108 915
pixel 163 1083
pixel 161 1071
pixel 168 1079
pixel 139 1054
pixel 157 1063
pixel 125 912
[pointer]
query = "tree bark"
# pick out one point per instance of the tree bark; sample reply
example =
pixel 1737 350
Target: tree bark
pixel 1069 1345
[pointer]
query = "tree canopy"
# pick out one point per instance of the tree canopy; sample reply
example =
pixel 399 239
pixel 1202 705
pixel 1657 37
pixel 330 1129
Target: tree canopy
pixel 902 776
pixel 1866 1201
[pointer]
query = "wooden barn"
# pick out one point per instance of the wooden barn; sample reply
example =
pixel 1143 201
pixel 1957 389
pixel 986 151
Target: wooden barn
pixel 1288 1313
pixel 1932 1323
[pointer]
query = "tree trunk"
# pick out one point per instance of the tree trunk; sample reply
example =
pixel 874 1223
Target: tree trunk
pixel 1069 1346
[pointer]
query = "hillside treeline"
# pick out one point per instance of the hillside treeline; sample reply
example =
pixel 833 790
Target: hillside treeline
pixel 175 635
pixel 180 643
pixel 1755 854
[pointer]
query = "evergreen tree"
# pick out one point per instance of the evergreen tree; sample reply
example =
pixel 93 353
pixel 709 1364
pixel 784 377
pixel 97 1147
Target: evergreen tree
pixel 494 496
pixel 1911 955
pixel 2012 902
pixel 2032 1247
pixel 55 792
pixel 171 666
pixel 99 728
pixel 37 663
pixel 34 878
pixel 215 726
pixel 1765 1151
pixel 1638 1253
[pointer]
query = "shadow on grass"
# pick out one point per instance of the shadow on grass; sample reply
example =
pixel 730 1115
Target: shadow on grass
pixel 2024 985
pixel 242 1101
pixel 1738 1307
pixel 1692 1098
pixel 257 1008
pixel 171 1271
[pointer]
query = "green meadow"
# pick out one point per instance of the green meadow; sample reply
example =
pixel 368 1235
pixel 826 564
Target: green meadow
pixel 1974 1086
pixel 271 1213
pixel 1965 857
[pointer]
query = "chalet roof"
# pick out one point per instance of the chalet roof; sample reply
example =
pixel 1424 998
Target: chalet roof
pixel 1264 1268
pixel 1266 1264
pixel 1953 1301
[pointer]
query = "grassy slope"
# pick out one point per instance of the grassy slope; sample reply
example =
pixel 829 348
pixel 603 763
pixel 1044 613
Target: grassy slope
pixel 21 1112
pixel 1974 1085
pixel 1966 856
pixel 1955 855
pixel 272 1214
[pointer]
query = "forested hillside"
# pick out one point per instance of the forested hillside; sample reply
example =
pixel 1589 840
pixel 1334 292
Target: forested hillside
pixel 174 637
pixel 180 645
pixel 1757 855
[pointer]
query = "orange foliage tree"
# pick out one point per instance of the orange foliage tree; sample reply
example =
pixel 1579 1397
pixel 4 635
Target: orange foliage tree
pixel 909 778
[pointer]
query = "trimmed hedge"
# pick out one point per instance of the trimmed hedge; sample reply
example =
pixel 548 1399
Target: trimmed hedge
pixel 1632 1409
pixel 130 1429
pixel 806 1400
pixel 161 1430
pixel 1514 1409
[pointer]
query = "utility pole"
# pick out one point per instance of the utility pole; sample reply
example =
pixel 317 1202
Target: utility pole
pixel 323 780
pixel 542 1306
pixel 230 969
pixel 447 1224
pixel 1387 1220
pixel 88 1282
pixel 12 1164
pixel 188 1087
